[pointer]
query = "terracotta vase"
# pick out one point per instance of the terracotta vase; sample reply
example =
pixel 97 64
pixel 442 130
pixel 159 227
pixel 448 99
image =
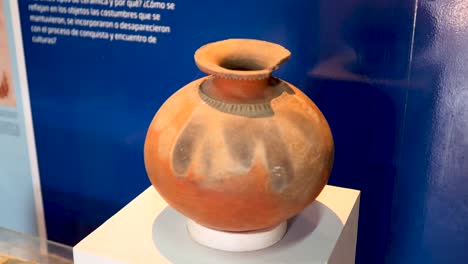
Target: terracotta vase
pixel 240 149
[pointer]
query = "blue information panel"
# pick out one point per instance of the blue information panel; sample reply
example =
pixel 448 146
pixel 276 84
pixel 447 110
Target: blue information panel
pixel 20 191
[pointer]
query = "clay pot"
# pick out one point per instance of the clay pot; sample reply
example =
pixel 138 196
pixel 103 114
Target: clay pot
pixel 239 150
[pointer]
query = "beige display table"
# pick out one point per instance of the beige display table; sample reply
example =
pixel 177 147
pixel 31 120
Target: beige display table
pixel 147 231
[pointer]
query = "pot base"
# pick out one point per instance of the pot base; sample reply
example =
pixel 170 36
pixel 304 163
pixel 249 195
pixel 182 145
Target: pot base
pixel 236 241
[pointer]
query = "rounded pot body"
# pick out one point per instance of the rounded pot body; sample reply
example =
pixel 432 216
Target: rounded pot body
pixel 234 165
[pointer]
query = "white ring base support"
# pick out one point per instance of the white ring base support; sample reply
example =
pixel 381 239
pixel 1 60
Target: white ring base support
pixel 236 241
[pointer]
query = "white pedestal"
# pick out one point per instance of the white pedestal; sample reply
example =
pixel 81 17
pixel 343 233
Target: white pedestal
pixel 236 241
pixel 148 231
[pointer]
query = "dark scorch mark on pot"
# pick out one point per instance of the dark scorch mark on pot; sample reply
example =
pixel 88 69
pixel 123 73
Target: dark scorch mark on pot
pixel 207 152
pixel 277 156
pixel 305 126
pixel 313 164
pixel 239 143
pixel 185 147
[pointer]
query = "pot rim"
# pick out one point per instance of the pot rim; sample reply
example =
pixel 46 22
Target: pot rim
pixel 242 59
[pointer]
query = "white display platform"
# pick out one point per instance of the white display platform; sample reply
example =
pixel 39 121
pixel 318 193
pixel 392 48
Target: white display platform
pixel 236 241
pixel 148 231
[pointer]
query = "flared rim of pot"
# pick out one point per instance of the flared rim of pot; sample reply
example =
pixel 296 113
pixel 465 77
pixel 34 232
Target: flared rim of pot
pixel 242 59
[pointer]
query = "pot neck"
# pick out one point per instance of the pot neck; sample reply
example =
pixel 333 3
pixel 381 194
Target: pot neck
pixel 240 91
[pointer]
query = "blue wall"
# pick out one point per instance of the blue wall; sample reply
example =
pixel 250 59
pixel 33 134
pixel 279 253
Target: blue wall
pixel 431 201
pixel 389 77
pixel 360 83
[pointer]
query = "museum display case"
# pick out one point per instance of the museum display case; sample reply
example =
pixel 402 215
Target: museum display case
pixel 17 248
pixel 80 82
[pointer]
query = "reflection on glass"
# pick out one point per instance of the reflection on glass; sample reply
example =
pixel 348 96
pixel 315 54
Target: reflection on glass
pixel 16 248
